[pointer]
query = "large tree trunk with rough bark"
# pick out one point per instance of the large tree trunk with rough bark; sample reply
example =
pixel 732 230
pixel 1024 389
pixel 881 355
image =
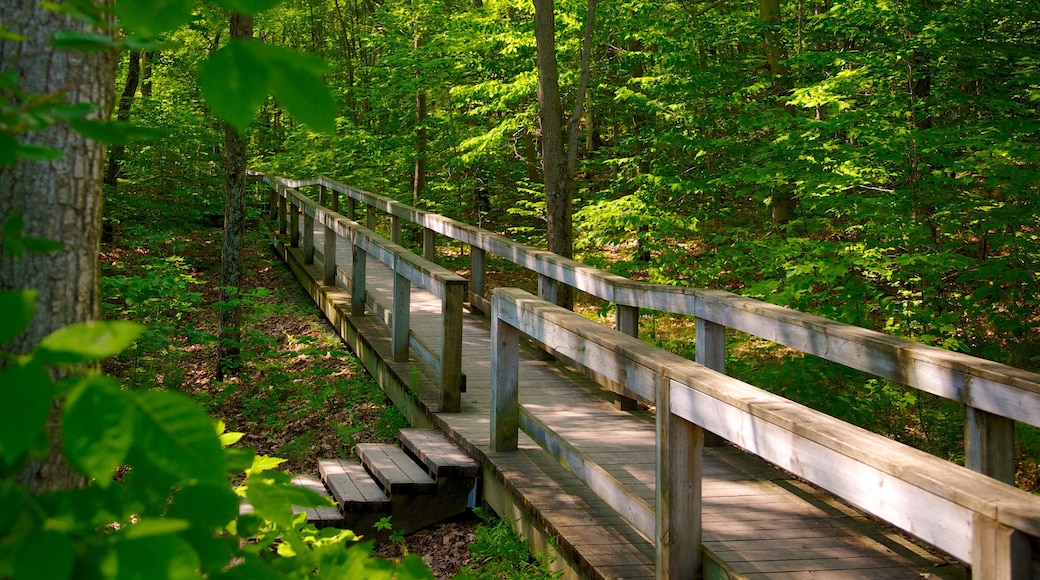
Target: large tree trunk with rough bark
pixel 59 199
pixel 554 156
pixel 229 353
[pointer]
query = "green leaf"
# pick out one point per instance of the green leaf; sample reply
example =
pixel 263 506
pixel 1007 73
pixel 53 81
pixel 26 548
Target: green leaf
pixel 237 460
pixel 38 153
pixel 168 557
pixel 150 18
pixel 83 41
pixel 150 527
pixel 235 82
pixel 45 554
pixel 26 391
pixel 247 6
pixel 18 307
pixel 98 428
pixel 8 149
pixel 298 86
pixel 206 506
pixel 87 341
pixel 175 435
pixel 273 496
pixel 115 132
pixel 42 245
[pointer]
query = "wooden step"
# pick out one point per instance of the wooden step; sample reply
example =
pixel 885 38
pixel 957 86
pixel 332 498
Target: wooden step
pixel 395 471
pixel 352 487
pixel 440 456
pixel 321 516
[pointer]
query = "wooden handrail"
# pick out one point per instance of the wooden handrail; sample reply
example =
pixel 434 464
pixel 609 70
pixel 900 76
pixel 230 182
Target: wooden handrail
pixel 408 269
pixel 973 517
pixel 994 395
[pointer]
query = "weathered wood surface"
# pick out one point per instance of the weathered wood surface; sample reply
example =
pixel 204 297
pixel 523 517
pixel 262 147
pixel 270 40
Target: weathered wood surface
pixel 621 445
pixel 997 389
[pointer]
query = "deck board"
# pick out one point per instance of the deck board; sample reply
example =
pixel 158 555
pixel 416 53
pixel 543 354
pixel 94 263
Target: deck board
pixel 758 520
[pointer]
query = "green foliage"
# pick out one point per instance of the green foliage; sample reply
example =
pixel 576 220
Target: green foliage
pixel 500 553
pixel 174 513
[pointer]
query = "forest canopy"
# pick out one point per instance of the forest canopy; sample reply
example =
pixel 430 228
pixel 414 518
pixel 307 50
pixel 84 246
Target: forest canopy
pixel 870 161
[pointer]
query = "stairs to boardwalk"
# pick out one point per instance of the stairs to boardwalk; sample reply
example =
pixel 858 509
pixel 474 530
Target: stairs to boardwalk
pixel 424 481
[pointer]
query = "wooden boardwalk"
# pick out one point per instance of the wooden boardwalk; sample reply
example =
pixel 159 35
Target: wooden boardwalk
pixel 758 521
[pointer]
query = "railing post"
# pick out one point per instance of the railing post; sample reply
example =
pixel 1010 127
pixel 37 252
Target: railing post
pixel 272 201
pixel 351 209
pixel 294 224
pixel 282 209
pixel 679 460
pixel 370 217
pixel 357 282
pixel 989 444
pixel 330 254
pixel 451 346
pixel 505 403
pixel 478 263
pixel 335 200
pixel 999 551
pixel 626 321
pixel 323 193
pixel 711 352
pixel 402 314
pixel 308 237
pixel 429 244
pixel 395 229
pixel 547 288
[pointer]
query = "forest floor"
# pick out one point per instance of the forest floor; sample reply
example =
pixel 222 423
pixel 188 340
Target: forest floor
pixel 301 394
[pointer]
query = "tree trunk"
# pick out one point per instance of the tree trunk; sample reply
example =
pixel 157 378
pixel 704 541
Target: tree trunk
pixel 783 202
pixel 419 181
pixel 126 101
pixel 59 199
pixel 229 355
pixel 147 58
pixel 554 158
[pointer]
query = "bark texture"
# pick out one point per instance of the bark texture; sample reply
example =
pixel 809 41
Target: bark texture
pixel 59 199
pixel 229 353
pixel 554 157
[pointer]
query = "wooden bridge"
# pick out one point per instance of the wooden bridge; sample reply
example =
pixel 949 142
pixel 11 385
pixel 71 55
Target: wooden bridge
pixel 545 401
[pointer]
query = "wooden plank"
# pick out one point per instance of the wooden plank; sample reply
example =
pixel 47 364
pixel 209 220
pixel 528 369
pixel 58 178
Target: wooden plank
pixel 450 378
pixel 320 516
pixel 394 470
pixel 505 404
pixel 402 317
pixel 1000 552
pixel 600 481
pixel 678 531
pixel 440 456
pixel 352 487
pixel 989 444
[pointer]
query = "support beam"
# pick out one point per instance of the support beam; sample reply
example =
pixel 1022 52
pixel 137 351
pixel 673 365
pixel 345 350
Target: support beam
pixel 357 283
pixel 402 315
pixel 711 352
pixel 308 239
pixel 429 245
pixel 679 460
pixel 505 403
pixel 329 251
pixel 451 347
pixel 999 552
pixel 989 444
pixel 294 224
pixel 478 265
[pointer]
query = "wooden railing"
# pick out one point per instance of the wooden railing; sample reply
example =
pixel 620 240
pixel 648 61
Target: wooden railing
pixel 994 395
pixel 288 205
pixel 975 518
